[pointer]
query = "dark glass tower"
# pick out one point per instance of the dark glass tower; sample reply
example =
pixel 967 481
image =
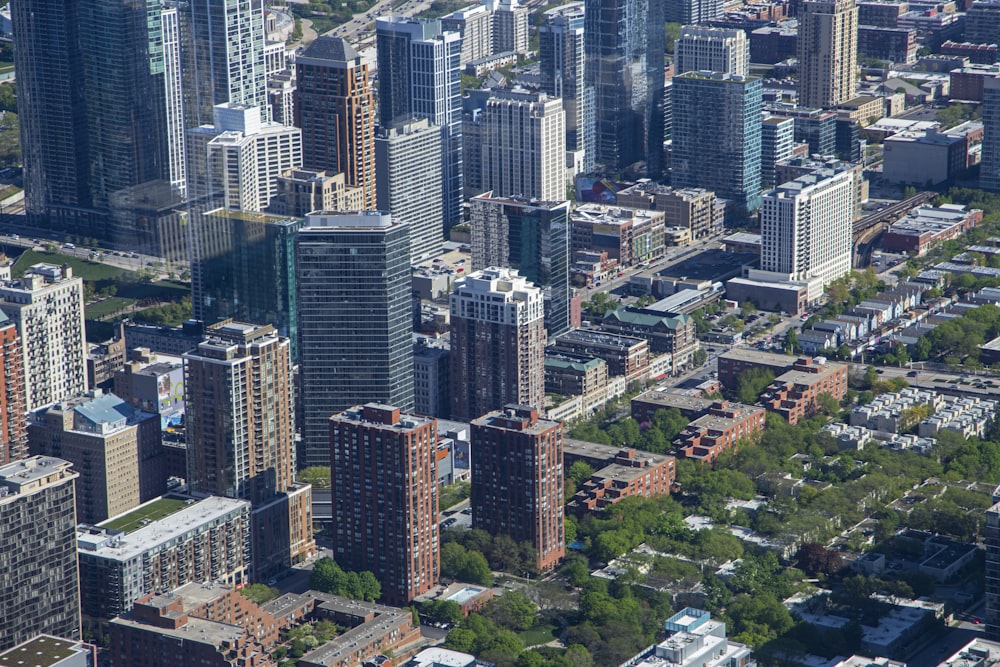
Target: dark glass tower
pixel 624 53
pixel 355 319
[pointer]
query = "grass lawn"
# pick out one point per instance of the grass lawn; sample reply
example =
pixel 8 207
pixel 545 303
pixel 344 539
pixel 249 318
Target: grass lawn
pixel 154 511
pixel 164 290
pixel 6 67
pixel 82 268
pixel 104 308
pixel 540 634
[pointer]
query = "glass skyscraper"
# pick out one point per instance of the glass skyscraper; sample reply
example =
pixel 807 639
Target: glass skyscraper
pixel 355 319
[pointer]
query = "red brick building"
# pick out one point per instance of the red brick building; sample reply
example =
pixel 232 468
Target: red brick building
pixel 633 473
pixel 720 430
pixel 793 393
pixel 13 410
pixel 384 498
pixel 517 480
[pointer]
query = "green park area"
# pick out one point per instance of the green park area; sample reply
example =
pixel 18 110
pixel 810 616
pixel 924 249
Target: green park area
pixel 146 514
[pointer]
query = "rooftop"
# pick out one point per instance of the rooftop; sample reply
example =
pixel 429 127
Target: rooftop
pixel 42 651
pixel 154 510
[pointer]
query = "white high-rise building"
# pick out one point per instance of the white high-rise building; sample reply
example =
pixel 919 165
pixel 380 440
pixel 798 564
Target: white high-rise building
pixel 241 157
pixel 806 227
pixel 524 145
pixel 510 25
pixel 700 48
pixel 408 182
pixel 46 304
pixel 174 96
pixel 475 25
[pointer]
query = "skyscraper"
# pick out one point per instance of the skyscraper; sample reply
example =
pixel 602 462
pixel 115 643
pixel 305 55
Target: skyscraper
pixel 510 25
pixel 355 319
pixel 805 227
pixel 13 409
pixel 384 498
pixel 38 565
pixel 989 171
pixel 46 305
pixel 711 49
pixel 335 107
pixel 409 180
pixel 777 139
pixel 517 480
pixel 624 52
pixel 497 343
pixel 475 25
pixel 561 55
pixel 716 136
pixel 991 539
pixel 420 77
pixel 827 52
pixel 524 145
pixel 692 12
pixel 239 419
pixel 531 236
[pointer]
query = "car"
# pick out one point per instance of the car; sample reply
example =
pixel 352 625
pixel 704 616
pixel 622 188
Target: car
pixel 977 621
pixel 69 246
pixel 911 374
pixel 467 510
pixel 272 581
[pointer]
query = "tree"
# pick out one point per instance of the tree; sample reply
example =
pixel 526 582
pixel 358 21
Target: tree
pixel 259 593
pixel 512 610
pixel 815 559
pixel 751 383
pixel 700 357
pixel 318 476
pixel 329 577
pixel 827 404
pixel 792 341
pixel 442 611
pixel 579 473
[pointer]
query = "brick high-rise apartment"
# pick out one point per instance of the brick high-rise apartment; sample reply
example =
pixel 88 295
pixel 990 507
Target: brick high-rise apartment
pixel 38 566
pixel 497 343
pixel 385 497
pixel 335 107
pixel 239 415
pixel 13 432
pixel 517 480
pixel 827 53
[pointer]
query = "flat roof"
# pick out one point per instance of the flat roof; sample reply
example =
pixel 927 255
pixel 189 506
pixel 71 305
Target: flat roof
pixel 195 630
pixel 154 510
pixel 42 651
pixel 673 399
pixel 127 546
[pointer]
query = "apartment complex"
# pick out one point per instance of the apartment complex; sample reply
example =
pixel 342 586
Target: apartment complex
pixel 794 393
pixel 517 480
pixel 720 430
pixel 702 48
pixel 384 495
pixel 46 305
pixel 41 590
pixel 13 410
pixel 627 356
pixel 828 53
pixel 497 343
pixel 335 107
pixel 301 191
pixel 114 446
pixel 694 209
pixel 632 473
pixel 630 236
pixel 355 319
pixel 202 540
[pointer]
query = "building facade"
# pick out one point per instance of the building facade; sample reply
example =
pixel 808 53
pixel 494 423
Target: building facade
pixel 717 136
pixel 828 53
pixel 561 53
pixel 385 504
pixel 701 48
pixel 13 409
pixel 46 305
pixel 989 171
pixel 38 566
pixel 409 179
pixel 355 319
pixel 335 108
pixel 497 343
pixel 517 480
pixel 532 237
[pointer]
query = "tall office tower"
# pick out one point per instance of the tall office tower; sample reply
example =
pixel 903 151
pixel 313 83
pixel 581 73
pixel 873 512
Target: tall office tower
pixel 46 305
pixel 301 191
pixel 239 418
pixel 222 57
pixel 497 343
pixel 989 171
pixel 281 97
pixel 116 446
pixel 777 140
pixel 38 565
pixel 408 182
pixel 420 77
pixel 173 82
pixel 561 55
pixel 624 53
pixel 517 480
pixel 991 539
pixel 475 25
pixel 530 236
pixel 827 52
pixel 13 409
pixel 384 498
pixel 716 136
pixel 701 48
pixel 244 268
pixel 335 107
pixel 235 162
pixel 805 228
pixel 355 319
pixel 524 145
pixel 92 109
pixel 510 25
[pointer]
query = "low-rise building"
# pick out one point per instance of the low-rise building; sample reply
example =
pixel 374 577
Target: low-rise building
pixel 927 225
pixel 572 375
pixel 667 333
pixel 628 235
pixel 721 429
pixel 694 640
pixel 887 412
pixel 967 82
pixel 735 362
pixel 794 394
pixel 627 356
pixel 645 406
pixel 694 209
pixel 895 45
pixel 49 651
pixel 633 473
pixel 923 158
pixel 968 416
pixel 788 298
